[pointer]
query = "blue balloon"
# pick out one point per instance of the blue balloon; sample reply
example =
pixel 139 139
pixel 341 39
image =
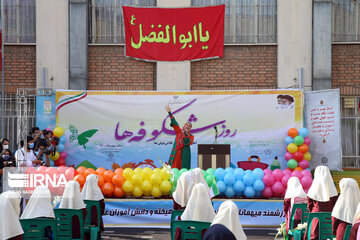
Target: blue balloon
pixel 62 140
pixel 258 194
pixel 248 172
pixel 258 173
pixel 258 185
pixel 304 132
pixel 239 187
pixel 229 179
pixel 221 186
pixel 220 174
pixel 249 192
pixel 289 140
pixel 248 179
pixel 239 173
pixel 229 170
pixel 60 148
pixel 229 192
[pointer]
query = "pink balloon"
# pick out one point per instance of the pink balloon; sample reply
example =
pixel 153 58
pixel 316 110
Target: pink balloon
pixel 287 172
pixel 306 182
pixel 51 171
pixel 268 179
pixel 267 192
pixel 30 170
pixel 303 164
pixel 63 155
pixel 277 188
pixel 284 180
pixel 297 174
pixel 61 169
pixel 307 141
pixel 41 169
pixel 306 190
pixel 70 173
pixel 289 156
pixel 267 171
pixel 277 174
pixel 306 173
pixel 283 194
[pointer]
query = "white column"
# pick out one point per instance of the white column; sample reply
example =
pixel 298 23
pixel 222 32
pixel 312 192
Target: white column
pixel 294 42
pixel 173 75
pixel 52 43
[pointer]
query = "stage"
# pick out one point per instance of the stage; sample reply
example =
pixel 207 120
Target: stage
pixel 156 213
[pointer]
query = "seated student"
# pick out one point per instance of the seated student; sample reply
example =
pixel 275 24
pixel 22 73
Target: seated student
pixel 345 207
pixel 294 194
pixel 10 227
pixel 355 230
pixel 72 199
pixel 322 196
pixel 15 200
pixel 91 191
pixel 226 224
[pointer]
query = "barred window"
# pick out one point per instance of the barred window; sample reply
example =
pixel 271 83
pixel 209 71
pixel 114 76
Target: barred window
pixel 106 24
pixel 345 21
pixel 247 21
pixel 19 20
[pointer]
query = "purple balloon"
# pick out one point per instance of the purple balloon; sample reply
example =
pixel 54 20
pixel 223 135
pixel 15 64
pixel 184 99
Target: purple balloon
pixel 267 192
pixel 303 164
pixel 297 174
pixel 267 171
pixel 288 156
pixel 306 172
pixel 268 180
pixel 277 188
pixel 306 182
pixel 287 172
pixel 63 155
pixel 307 141
pixel 278 174
pixel 284 180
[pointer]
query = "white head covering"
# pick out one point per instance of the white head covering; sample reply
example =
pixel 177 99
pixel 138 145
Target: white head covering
pixel 323 187
pixel 357 214
pixel 14 198
pixel 199 207
pixel 294 189
pixel 72 197
pixel 10 225
pixel 199 178
pixel 228 215
pixel 39 204
pixel 348 200
pixel 91 190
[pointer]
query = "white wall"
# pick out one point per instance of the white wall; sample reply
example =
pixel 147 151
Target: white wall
pixel 52 43
pixel 294 42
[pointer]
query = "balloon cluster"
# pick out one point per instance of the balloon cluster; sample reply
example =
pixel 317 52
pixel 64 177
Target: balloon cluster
pixel 59 155
pixel 276 181
pixel 237 182
pixel 297 155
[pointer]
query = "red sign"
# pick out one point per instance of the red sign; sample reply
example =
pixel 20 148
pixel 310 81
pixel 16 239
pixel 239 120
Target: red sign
pixel 174 34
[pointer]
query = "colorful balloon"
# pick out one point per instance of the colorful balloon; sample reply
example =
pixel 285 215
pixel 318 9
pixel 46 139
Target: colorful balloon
pixel 304 132
pixel 307 141
pixel 146 186
pixel 304 148
pixel 100 180
pixel 89 171
pixel 307 156
pixel 62 140
pixel 284 180
pixel 299 169
pixel 100 171
pixel 249 192
pixel 155 179
pixel 278 174
pixel 118 180
pixel 108 174
pixel 229 179
pixel 289 140
pixel 277 187
pixel 268 179
pixel 165 187
pixel 147 172
pixel 239 187
pixel 137 179
pixel 288 156
pixel 292 163
pixel 58 132
pixel 119 171
pixel 292 132
pixel 107 188
pixel 55 156
pixel 128 186
pixel 306 181
pixel 267 192
pixel 60 148
pixel 298 156
pixel 292 148
pixel 155 192
pixel 118 192
pixel 298 140
pixel 81 169
pixel 128 173
pixel 63 155
pixel 303 164
pixel 138 192
pixel 80 179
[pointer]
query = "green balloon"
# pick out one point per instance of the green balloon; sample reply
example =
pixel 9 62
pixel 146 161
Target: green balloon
pixel 183 170
pixel 292 163
pixel 210 171
pixel 175 171
pixel 173 188
pixel 204 173
pixel 210 179
pixel 176 177
pixel 298 140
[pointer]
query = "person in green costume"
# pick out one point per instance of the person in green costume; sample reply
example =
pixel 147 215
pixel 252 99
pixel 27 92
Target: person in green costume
pixel 180 156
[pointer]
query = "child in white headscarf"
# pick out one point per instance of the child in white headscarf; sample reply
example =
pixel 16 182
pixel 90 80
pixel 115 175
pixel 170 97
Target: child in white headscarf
pixel 39 205
pixel 345 207
pixel 10 227
pixel 14 198
pixel 355 229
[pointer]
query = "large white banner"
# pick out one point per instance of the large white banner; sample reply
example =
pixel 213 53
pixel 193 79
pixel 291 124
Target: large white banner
pixel 323 123
pixel 132 129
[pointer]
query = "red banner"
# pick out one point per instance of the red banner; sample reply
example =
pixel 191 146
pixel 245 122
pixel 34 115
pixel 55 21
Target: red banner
pixel 174 34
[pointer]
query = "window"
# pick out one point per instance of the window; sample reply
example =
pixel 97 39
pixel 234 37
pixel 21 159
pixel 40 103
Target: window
pixel 350 131
pixel 106 24
pixel 19 18
pixel 247 21
pixel 345 21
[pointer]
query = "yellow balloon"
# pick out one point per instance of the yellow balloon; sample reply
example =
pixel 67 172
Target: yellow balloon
pixel 156 192
pixel 146 173
pixel 58 132
pixel 165 174
pixel 155 179
pixel 137 192
pixel 137 179
pixel 165 187
pixel 146 186
pixel 138 170
pixel 128 173
pixel 307 156
pixel 292 148
pixel 156 170
pixel 148 193
pixel 128 186
pixel 55 156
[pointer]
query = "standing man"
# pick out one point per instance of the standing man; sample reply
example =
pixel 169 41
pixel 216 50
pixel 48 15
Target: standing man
pixel 180 156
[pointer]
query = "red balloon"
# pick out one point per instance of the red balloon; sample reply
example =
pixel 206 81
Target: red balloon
pixel 59 162
pixel 63 155
pixel 298 156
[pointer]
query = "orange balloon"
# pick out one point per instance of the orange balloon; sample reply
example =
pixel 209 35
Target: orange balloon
pixel 107 188
pixel 80 179
pixel 299 169
pixel 81 169
pixel 108 174
pixel 293 132
pixel 100 170
pixel 100 180
pixel 119 171
pixel 118 192
pixel 118 180
pixel 89 171
pixel 304 148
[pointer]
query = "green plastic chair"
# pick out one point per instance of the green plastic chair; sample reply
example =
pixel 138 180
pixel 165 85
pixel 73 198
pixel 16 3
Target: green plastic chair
pixel 325 226
pixel 347 232
pixel 174 215
pixel 304 217
pixel 34 228
pixel 190 229
pixel 94 231
pixel 64 219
